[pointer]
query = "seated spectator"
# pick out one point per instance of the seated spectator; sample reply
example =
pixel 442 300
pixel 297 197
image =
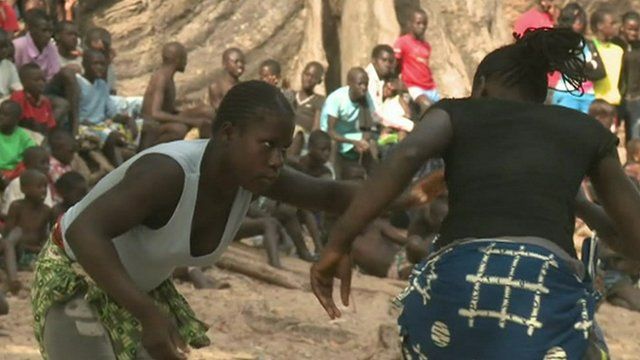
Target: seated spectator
pixel 233 64
pixel 9 80
pixel 394 112
pixel 604 112
pixel 99 39
pixel 413 53
pixel 14 140
pixel 71 187
pixel 308 106
pixel 37 111
pixel 380 71
pixel 163 121
pixel 27 226
pixel 37 46
pixel 67 35
pixel 270 71
pixel 602 26
pixel 35 158
pixel 347 116
pixel 540 15
pixel 65 158
pixel 113 132
pixel 314 163
pixel 8 18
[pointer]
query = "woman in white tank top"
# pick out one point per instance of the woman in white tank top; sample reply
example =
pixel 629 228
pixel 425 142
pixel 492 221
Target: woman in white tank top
pixel 176 204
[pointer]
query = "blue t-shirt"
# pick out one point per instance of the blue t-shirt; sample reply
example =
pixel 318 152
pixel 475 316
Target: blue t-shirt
pixel 340 106
pixel 96 104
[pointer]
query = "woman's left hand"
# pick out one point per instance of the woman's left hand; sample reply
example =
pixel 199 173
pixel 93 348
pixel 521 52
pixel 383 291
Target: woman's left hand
pixel 333 263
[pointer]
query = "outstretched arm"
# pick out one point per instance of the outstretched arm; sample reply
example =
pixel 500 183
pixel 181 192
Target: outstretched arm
pixel 430 138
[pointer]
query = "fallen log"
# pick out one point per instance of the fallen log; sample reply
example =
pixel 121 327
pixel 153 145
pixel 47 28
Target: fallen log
pixel 238 261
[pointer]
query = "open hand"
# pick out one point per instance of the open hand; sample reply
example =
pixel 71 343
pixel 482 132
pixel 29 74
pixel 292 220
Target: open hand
pixel 333 263
pixel 161 339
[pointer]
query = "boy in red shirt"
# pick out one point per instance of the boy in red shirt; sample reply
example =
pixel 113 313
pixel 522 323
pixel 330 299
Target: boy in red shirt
pixel 413 53
pixel 37 112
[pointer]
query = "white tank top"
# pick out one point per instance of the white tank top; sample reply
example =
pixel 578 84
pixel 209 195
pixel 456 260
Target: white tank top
pixel 150 256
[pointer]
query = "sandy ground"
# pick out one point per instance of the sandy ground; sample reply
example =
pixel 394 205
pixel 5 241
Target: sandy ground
pixel 254 320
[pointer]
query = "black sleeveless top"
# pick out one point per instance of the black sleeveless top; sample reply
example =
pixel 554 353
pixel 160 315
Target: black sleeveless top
pixel 514 168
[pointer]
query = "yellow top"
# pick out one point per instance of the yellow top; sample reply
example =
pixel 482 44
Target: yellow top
pixel 607 88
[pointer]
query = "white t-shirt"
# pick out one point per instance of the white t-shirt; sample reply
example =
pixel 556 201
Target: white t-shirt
pixel 9 80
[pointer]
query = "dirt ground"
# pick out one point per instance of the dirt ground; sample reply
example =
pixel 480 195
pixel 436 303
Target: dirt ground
pixel 255 320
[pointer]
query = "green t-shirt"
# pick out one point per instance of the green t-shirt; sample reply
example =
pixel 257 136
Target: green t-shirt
pixel 12 146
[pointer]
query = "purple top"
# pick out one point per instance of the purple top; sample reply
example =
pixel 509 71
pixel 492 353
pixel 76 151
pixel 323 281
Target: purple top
pixel 27 52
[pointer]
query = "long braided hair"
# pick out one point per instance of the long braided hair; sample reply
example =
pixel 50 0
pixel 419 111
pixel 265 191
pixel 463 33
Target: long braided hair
pixel 526 63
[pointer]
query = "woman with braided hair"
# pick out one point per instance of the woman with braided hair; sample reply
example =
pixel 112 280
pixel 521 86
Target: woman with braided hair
pixel 504 281
pixel 176 204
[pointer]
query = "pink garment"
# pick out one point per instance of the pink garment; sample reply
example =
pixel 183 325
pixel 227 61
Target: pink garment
pixel 533 18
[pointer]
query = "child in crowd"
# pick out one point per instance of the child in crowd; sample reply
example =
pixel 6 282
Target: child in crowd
pixel 67 37
pixel 9 80
pixel 8 18
pixel 37 111
pixel 35 158
pixel 308 106
pixel 395 115
pixel 71 187
pixel 604 112
pixel 27 226
pixel 233 64
pixel 270 71
pixel 314 163
pixel 65 158
pixel 14 140
pixel 602 24
pixel 632 167
pixel 413 53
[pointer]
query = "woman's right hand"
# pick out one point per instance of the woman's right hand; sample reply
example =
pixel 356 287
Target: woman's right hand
pixel 161 339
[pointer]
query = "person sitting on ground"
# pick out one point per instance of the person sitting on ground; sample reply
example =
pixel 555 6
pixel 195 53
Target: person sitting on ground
pixel 308 106
pixel 35 158
pixel 37 110
pixel 541 15
pixel 380 71
pixel 314 163
pixel 604 112
pixel 164 122
pixel 37 46
pixel 347 116
pixel 602 25
pixel 71 187
pixel 233 65
pixel 67 38
pixel 14 140
pixel 114 133
pixel 270 71
pixel 395 115
pixel 9 79
pixel 632 166
pixel 27 226
pixel 65 158
pixel 413 53
pixel 629 41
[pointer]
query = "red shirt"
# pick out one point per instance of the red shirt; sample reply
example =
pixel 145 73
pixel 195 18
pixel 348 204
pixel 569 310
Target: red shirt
pixel 41 112
pixel 533 18
pixel 414 55
pixel 8 19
